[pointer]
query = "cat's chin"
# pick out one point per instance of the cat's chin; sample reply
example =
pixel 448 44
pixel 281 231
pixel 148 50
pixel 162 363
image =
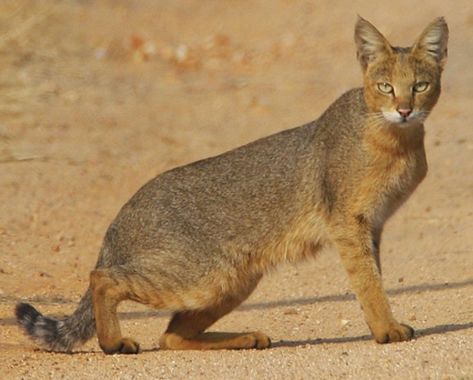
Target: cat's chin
pixel 405 124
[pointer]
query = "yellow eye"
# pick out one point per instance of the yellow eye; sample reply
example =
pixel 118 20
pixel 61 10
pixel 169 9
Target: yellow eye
pixel 385 88
pixel 421 86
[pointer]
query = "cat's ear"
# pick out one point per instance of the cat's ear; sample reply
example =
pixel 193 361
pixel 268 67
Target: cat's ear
pixel 433 41
pixel 370 43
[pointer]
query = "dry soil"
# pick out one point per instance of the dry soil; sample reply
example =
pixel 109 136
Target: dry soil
pixel 97 97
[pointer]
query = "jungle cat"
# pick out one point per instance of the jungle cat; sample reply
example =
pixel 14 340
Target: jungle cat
pixel 197 239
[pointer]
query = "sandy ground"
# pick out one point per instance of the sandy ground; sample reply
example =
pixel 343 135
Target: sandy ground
pixel 97 97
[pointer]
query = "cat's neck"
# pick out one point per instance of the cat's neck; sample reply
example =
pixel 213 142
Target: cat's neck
pixel 387 137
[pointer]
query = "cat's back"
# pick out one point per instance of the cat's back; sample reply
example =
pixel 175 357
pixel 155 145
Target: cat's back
pixel 276 163
pixel 266 173
pixel 252 187
pixel 248 191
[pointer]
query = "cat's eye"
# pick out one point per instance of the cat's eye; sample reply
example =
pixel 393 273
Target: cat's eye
pixel 421 86
pixel 385 88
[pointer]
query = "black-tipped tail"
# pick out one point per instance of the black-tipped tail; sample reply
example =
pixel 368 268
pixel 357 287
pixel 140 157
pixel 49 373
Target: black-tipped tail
pixel 58 335
pixel 34 323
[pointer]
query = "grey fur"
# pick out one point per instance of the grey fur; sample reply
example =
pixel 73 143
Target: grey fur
pixel 58 335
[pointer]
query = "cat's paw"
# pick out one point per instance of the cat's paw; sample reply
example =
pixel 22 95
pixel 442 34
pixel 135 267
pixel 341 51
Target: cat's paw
pixel 261 340
pixel 395 333
pixel 123 346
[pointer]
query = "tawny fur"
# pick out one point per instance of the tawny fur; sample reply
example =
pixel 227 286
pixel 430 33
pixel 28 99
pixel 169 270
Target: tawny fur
pixel 197 239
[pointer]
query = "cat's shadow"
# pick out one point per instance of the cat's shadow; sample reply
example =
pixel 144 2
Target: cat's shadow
pixel 419 334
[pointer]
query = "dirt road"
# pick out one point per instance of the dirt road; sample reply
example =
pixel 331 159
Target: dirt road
pixel 97 97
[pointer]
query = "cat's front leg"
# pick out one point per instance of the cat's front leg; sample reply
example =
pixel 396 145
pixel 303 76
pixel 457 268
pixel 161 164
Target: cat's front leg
pixel 359 257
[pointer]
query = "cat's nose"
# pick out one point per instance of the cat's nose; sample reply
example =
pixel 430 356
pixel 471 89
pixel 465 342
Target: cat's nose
pixel 404 112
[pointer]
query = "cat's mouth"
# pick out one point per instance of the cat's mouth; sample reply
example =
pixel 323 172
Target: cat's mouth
pixel 402 120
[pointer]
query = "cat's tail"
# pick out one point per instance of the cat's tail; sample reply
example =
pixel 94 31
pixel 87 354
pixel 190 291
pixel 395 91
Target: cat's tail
pixel 54 334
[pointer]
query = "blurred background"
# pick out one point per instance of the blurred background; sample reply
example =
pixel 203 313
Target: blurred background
pixel 97 97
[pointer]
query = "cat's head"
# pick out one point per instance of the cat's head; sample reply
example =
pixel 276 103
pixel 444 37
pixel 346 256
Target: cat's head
pixel 401 85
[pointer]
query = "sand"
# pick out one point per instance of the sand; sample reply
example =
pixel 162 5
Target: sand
pixel 97 97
